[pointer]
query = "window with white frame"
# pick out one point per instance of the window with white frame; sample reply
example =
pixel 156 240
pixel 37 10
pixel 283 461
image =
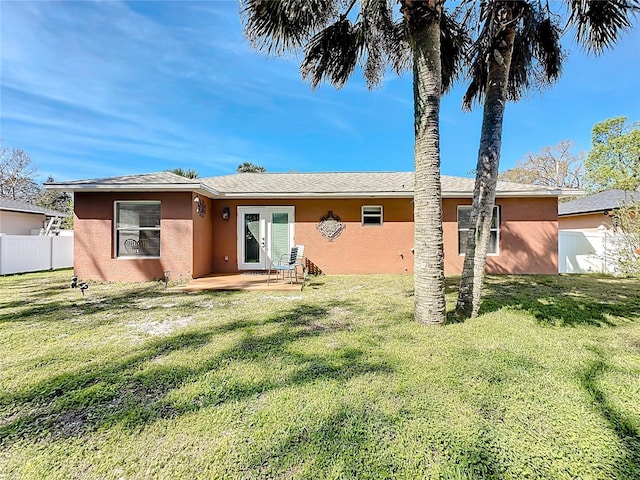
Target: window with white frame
pixel 372 215
pixel 464 213
pixel 137 229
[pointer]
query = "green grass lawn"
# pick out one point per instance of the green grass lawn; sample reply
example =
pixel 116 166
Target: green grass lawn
pixel 135 382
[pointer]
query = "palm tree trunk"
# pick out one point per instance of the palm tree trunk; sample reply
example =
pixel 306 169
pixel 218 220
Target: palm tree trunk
pixel 428 241
pixel 484 192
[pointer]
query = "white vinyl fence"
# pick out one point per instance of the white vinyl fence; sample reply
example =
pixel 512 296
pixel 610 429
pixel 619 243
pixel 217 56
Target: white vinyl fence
pixel 587 252
pixel 31 253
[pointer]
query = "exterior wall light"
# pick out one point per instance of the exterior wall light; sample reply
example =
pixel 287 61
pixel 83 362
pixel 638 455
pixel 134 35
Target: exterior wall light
pixel 225 213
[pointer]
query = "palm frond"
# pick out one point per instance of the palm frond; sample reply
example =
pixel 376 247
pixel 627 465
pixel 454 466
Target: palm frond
pixel 520 72
pixel 477 58
pixel 400 57
pixel 599 24
pixel 333 53
pixel 454 43
pixel 278 26
pixel 536 57
pixel 537 54
pixel 378 30
pixel 386 41
pixel 548 50
pixel 473 94
pixel 523 60
pixel 336 37
pixel 374 64
pixel 477 72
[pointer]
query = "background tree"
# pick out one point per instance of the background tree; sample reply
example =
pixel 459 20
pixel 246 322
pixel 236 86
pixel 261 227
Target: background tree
pixel 554 166
pixel 185 173
pixel 17 176
pixel 17 182
pixel 614 159
pixel 337 36
pixel 59 201
pixel 518 47
pixel 624 247
pixel 248 167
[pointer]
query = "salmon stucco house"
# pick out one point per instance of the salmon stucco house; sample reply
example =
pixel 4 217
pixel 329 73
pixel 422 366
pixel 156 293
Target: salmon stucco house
pixel 137 227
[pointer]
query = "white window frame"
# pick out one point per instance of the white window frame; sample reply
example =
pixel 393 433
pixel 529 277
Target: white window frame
pixel 266 229
pixel 465 231
pixel 117 204
pixel 372 215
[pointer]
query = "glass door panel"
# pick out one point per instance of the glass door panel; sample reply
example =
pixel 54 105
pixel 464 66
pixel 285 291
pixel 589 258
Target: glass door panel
pixel 264 235
pixel 251 238
pixel 279 238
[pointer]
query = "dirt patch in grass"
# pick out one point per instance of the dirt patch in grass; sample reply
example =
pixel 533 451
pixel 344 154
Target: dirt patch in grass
pixel 162 327
pixel 72 422
pixel 337 318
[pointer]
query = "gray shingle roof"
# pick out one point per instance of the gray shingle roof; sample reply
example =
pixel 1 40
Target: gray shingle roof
pixel 309 183
pixel 452 185
pixel 16 206
pixel 598 202
pixel 381 183
pixel 397 184
pixel 146 178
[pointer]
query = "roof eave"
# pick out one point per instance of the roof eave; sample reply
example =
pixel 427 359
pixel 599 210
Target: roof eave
pixel 206 190
pixel 574 214
pixel 447 194
pixel 161 187
pixel 503 194
pixel 293 195
pixel 587 212
pixel 34 212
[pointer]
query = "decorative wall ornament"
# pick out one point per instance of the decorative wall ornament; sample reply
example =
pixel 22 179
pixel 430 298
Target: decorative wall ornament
pixel 330 226
pixel 201 208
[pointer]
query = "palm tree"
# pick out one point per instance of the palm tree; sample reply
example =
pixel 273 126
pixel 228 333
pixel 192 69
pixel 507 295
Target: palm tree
pixel 190 173
pixel 517 48
pixel 335 37
pixel 248 167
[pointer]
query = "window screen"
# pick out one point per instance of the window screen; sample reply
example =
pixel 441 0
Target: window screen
pixel 137 229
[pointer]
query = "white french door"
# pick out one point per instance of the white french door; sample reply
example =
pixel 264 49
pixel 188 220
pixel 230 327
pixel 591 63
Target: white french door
pixel 264 234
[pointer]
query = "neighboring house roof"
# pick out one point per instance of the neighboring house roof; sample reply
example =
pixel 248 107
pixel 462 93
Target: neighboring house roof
pixel 598 202
pixel 337 184
pixel 10 205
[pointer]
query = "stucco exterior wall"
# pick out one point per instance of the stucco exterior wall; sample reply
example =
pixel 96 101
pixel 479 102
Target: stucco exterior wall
pixel 528 236
pixel 94 251
pixel 359 249
pixel 588 221
pixel 20 223
pixel 196 245
pixel 203 235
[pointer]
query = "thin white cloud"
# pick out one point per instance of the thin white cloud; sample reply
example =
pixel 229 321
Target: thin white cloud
pixel 119 87
pixel 111 79
pixel 100 76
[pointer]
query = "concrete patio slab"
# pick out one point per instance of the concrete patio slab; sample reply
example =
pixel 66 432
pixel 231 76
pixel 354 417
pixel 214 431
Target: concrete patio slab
pixel 238 281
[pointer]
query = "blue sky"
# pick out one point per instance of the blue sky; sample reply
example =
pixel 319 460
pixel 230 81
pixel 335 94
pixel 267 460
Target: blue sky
pixel 97 89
